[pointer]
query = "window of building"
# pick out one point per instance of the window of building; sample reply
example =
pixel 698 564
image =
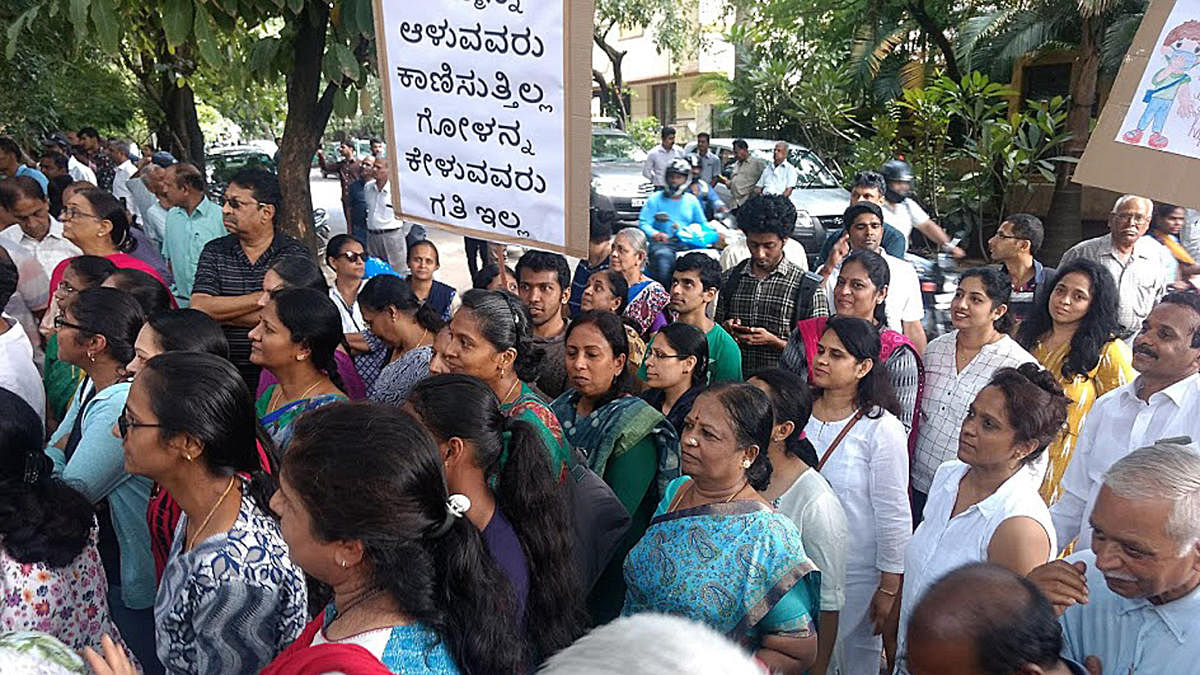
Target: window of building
pixel 662 102
pixel 630 33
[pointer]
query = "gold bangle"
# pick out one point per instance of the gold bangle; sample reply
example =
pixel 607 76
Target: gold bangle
pixel 890 594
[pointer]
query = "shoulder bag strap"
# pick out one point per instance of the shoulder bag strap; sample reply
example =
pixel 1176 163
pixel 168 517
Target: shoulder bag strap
pixel 837 441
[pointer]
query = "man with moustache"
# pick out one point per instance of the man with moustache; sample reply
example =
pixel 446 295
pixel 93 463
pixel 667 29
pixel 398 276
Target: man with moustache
pixel 1131 604
pixel 544 284
pixel 1163 402
pixel 1143 268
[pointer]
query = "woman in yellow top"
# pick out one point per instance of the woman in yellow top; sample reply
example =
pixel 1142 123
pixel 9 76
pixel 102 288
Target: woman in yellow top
pixel 1073 334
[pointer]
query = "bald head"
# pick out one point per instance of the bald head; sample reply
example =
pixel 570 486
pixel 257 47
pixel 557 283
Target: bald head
pixel 982 619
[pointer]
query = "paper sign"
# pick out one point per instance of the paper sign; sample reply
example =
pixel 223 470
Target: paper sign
pixel 488 116
pixel 1147 140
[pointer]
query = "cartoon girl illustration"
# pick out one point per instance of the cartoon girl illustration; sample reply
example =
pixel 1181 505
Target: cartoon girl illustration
pixel 1181 49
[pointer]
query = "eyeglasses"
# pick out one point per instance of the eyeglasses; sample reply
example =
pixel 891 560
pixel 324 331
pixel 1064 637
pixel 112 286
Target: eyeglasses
pixel 61 322
pixel 71 213
pixel 235 204
pixel 124 425
pixel 66 287
pixel 1010 236
pixel 352 256
pixel 659 355
pixel 1130 218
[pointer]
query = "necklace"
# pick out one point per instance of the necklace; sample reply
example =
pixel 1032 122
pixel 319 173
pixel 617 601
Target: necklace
pixel 691 488
pixel 508 393
pixel 355 603
pixel 278 393
pixel 204 523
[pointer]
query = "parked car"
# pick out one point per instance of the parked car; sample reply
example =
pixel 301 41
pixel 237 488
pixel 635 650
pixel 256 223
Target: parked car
pixel 617 173
pixel 223 163
pixel 820 198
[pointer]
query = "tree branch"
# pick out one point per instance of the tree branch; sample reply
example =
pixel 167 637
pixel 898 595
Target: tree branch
pixel 935 33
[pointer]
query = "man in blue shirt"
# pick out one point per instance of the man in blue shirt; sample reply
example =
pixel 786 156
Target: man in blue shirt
pixel 12 166
pixel 192 222
pixel 703 191
pixel 674 221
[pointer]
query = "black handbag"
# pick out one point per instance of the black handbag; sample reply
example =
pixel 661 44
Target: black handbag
pixel 599 519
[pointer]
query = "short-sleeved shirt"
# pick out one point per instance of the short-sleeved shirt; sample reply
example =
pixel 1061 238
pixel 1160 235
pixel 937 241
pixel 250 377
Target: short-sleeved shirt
pixel 770 302
pixel 710 167
pixel 777 178
pixel 1141 280
pixel 1024 297
pixel 185 237
pixel 904 216
pixel 893 242
pixel 745 177
pixel 50 250
pixel 818 513
pixel 224 270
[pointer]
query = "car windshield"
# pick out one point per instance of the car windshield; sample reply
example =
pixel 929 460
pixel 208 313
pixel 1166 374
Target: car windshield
pixel 813 173
pixel 224 165
pixel 616 148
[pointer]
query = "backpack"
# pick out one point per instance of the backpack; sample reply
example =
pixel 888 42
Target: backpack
pixel 802 303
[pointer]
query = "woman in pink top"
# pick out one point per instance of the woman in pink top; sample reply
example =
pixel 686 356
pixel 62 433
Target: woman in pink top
pixel 99 225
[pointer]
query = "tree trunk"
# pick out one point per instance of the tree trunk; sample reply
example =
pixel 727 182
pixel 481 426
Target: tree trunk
pixel 187 140
pixel 937 35
pixel 617 86
pixel 1064 222
pixel 307 116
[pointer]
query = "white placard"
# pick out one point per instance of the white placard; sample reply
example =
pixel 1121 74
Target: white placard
pixel 478 115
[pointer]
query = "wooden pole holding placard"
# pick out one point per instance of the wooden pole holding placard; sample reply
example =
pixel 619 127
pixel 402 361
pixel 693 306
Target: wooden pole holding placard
pixel 566 175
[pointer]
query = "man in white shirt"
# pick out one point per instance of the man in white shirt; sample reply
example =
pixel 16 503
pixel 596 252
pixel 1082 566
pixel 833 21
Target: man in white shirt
pixel 1142 268
pixel 1131 604
pixel 119 152
pixel 779 177
pixel 58 143
pixel 1163 402
pixel 903 212
pixel 903 305
pixel 385 234
pixel 28 304
pixel 18 373
pixel 35 228
pixel 655 167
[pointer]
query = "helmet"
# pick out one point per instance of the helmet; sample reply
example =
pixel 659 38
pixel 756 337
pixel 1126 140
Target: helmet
pixel 678 167
pixel 897 170
pixel 693 161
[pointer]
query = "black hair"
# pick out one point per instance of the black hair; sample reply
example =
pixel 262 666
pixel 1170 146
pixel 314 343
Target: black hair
pixel 1189 300
pixel 150 293
pixel 504 322
pixel 708 269
pixel 338 242
pixel 91 269
pixel 613 330
pixel 542 261
pixel 1035 403
pixel 668 131
pixel 857 209
pixel 1098 327
pixel 314 322
pixel 740 144
pixel 110 209
pixel 42 520
pixel 388 290
pixel 1027 226
pixel 792 401
pixel 113 314
pixel 688 341
pixel 434 565
pixel 57 158
pixel 299 271
pixel 1163 210
pixel 90 132
pixel 620 289
pixel 346 143
pixel 9 277
pixel 484 277
pixel 189 330
pixel 768 214
pixel 600 225
pixel 753 422
pixel 8 145
pixel 263 186
pixel 203 396
pixel 17 187
pixel 704 134
pixel 461 406
pixel 861 340
pixel 998 288
pixel 869 179
pixel 878 272
pixel 437 257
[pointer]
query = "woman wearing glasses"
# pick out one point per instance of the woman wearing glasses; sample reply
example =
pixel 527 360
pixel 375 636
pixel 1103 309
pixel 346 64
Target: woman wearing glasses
pixel 96 333
pixel 296 336
pixel 676 371
pixel 347 257
pixel 230 597
pixel 408 327
pixel 99 225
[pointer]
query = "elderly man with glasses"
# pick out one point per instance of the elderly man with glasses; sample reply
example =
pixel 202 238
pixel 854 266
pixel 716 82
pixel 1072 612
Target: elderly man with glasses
pixel 1142 267
pixel 1016 241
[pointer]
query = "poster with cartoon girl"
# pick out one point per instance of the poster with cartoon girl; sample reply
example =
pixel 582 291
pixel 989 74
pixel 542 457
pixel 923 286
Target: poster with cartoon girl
pixel 1164 110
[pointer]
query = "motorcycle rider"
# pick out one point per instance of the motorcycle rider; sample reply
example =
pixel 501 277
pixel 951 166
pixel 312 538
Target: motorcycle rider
pixel 674 221
pixel 903 212
pixel 709 199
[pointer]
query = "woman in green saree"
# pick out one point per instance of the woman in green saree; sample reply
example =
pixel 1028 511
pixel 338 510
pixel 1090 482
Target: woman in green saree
pixel 625 440
pixel 716 551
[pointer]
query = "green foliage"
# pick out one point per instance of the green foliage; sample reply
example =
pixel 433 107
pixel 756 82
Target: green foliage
pixel 646 131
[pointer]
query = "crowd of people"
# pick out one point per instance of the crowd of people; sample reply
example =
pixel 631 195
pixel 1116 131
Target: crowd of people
pixel 219 455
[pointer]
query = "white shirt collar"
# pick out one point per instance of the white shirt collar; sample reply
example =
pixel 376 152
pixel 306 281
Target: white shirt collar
pixel 1177 393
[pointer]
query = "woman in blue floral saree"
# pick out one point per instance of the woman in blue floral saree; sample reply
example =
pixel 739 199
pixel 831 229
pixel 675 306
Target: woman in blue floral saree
pixel 716 552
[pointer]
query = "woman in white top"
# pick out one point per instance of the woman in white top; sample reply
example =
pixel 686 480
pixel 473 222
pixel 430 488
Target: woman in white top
pixel 863 453
pixel 799 492
pixel 983 507
pixel 957 366
pixel 347 257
